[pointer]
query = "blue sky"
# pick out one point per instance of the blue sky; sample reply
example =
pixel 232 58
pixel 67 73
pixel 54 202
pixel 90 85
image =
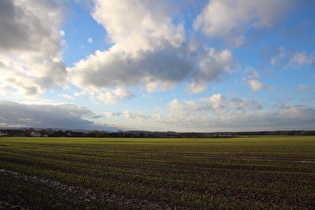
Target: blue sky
pixel 203 66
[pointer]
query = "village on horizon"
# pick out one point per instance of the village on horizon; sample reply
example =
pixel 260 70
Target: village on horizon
pixel 32 132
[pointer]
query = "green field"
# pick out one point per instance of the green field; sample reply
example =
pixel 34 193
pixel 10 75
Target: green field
pixel 130 173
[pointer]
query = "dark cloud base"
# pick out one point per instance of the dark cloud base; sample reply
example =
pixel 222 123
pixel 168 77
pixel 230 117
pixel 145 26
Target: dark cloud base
pixel 65 116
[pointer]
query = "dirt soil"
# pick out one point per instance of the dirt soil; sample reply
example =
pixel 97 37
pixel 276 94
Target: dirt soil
pixel 84 194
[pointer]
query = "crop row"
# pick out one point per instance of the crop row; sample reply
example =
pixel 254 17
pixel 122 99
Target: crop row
pixel 192 174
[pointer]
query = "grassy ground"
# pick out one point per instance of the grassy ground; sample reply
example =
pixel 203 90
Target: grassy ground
pixel 237 173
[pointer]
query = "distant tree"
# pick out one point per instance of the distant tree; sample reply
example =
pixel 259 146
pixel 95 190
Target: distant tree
pixel 307 133
pixel 96 133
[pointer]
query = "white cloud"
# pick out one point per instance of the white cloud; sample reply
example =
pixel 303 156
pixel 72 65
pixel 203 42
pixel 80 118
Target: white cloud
pixel 139 116
pixel 220 113
pixel 288 58
pixel 115 96
pixel 67 96
pixel 127 114
pixel 175 105
pixel 240 104
pixel 213 63
pixel 221 104
pixel 230 18
pixel 301 59
pixel 90 40
pixel 148 50
pixel 215 104
pixel 197 87
pixel 253 82
pixel 161 69
pixel 30 47
pixel 136 25
pixel 26 25
pixel 255 85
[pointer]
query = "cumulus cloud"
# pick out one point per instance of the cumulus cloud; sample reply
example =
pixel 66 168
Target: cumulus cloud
pixel 301 59
pixel 30 47
pixel 24 23
pixel 294 115
pixel 222 104
pixel 197 87
pixel 230 18
pixel 141 117
pixel 282 57
pixel 214 105
pixel 219 112
pixel 213 64
pixel 255 85
pixel 137 25
pixel 149 49
pixel 205 108
pixel 240 104
pixel 65 116
pixel 115 96
pixel 116 68
pixel 286 117
pixel 253 82
pixel 162 69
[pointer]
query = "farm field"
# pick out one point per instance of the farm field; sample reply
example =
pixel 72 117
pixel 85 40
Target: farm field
pixel 131 173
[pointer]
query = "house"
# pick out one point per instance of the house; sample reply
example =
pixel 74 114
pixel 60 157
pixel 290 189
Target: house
pixel 35 134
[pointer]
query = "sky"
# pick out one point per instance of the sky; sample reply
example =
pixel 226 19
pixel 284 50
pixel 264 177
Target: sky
pixel 158 65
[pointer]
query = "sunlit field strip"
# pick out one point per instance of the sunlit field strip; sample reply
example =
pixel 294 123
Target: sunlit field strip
pixel 209 173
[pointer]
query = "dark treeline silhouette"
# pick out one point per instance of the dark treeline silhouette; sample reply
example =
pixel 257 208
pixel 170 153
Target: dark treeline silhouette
pixel 31 132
